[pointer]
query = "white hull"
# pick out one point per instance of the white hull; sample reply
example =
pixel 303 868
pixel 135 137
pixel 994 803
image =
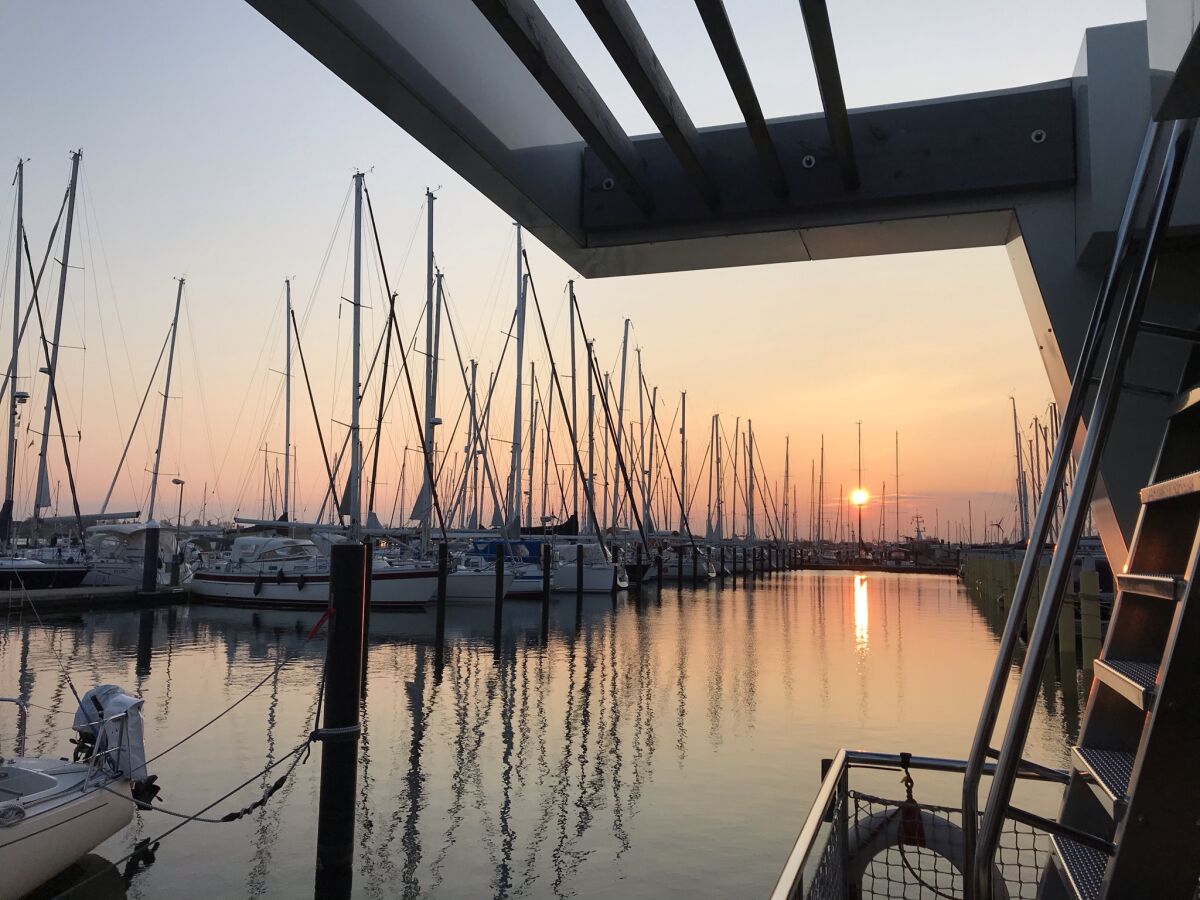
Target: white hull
pixel 389 588
pixel 57 832
pixel 465 586
pixel 598 578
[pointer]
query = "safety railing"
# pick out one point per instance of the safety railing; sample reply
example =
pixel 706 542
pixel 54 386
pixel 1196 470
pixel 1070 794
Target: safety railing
pixel 859 844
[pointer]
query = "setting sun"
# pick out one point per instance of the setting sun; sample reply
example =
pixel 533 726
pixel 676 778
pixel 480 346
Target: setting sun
pixel 859 497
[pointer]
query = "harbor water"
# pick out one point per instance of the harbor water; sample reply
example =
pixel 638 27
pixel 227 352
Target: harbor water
pixel 661 746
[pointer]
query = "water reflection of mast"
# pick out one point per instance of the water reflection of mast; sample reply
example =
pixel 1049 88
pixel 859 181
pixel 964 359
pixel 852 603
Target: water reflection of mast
pixel 562 782
pixel 503 880
pixel 25 682
pixel 411 841
pixel 267 818
pixel 614 737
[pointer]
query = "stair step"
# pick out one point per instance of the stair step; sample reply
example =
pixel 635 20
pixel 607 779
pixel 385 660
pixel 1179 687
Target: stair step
pixel 1186 401
pixel 1135 681
pixel 1180 486
pixel 1111 769
pixel 1165 587
pixel 1082 867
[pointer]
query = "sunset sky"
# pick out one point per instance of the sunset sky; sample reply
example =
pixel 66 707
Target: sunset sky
pixel 216 149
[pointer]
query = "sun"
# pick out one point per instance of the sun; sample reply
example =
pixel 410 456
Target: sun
pixel 859 497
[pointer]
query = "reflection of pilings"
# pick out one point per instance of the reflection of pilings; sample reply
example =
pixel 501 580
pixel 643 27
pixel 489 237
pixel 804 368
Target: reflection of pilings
pixel 145 645
pixel 502 882
pixel 415 779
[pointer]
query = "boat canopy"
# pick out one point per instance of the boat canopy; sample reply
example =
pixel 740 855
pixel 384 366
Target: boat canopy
pixel 258 549
pixel 121 539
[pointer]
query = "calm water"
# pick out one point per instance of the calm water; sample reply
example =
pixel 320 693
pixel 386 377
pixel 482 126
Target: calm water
pixel 668 747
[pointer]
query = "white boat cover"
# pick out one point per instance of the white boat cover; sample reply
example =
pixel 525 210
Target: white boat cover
pixel 102 726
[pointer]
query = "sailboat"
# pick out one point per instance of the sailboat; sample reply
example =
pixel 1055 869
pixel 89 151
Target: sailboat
pixel 54 812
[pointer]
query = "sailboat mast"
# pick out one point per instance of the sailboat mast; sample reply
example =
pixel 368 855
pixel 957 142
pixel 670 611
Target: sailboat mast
pixel 353 484
pixel 574 398
pixel 642 474
pixel 43 482
pixel 514 483
pixel 1022 508
pixel 10 469
pixel 708 513
pixel 787 461
pixel 532 442
pixel 897 487
pixel 720 533
pixel 750 531
pixel 287 404
pixel 162 421
pixel 683 482
pixel 650 478
pixel 591 414
pixel 476 450
pixel 821 496
pixel 616 492
pixel 737 432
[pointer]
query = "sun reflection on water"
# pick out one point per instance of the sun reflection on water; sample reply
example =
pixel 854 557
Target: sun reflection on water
pixel 861 611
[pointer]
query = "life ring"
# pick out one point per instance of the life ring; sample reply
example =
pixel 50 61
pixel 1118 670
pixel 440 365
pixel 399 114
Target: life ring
pixel 907 826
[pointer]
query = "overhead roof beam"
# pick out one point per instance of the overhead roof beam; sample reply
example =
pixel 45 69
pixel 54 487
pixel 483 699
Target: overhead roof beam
pixel 829 82
pixel 539 48
pixel 622 35
pixel 720 32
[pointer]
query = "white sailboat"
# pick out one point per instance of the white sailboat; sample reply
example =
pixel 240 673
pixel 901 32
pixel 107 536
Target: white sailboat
pixel 54 812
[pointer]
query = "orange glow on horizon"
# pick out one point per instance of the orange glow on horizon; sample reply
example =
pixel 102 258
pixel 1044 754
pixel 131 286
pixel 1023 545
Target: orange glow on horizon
pixel 859 496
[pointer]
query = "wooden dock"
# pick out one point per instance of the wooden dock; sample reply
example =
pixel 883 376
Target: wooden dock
pixel 54 599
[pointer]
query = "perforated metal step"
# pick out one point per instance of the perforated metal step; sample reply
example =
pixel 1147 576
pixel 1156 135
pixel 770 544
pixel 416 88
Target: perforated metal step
pixel 1082 867
pixel 1135 681
pixel 1111 769
pixel 1166 587
pixel 1172 488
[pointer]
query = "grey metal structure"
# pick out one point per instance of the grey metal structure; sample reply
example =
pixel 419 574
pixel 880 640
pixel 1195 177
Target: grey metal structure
pixel 1042 170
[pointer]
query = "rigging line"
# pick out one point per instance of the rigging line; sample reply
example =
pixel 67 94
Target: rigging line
pixel 770 495
pixel 337 226
pixel 54 398
pixel 670 470
pixel 562 491
pixel 590 494
pixel 10 373
pixel 412 395
pixel 137 419
pixel 488 401
pixel 212 453
pixel 317 421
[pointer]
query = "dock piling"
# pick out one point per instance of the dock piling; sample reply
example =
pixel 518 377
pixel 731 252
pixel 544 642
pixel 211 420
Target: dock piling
pixel 150 559
pixel 340 730
pixel 498 616
pixel 443 572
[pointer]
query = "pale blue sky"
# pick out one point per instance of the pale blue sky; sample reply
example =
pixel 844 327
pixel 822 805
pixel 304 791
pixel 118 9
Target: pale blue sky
pixel 216 148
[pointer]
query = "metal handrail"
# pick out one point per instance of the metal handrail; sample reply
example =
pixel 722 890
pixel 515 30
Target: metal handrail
pixel 789 883
pixel 1124 330
pixel 1047 505
pixel 22 719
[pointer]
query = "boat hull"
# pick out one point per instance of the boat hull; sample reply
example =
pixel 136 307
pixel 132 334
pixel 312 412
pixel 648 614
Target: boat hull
pixel 48 841
pixel 598 578
pixel 41 577
pixel 465 586
pixel 389 588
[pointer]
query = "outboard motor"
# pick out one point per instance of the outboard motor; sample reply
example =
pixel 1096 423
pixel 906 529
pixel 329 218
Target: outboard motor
pixel 109 724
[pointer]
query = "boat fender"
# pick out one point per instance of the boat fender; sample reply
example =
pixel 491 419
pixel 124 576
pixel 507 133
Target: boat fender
pixel 279 577
pixel 11 813
pixel 257 585
pixel 300 582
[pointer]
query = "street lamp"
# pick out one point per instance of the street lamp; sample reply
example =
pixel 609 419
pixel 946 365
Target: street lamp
pixel 179 514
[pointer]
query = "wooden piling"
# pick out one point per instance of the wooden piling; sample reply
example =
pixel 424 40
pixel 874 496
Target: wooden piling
pixel 340 731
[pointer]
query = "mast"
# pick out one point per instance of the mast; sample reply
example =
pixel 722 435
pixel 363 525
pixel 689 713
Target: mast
pixel 683 482
pixel 821 496
pixel 737 432
pixel 514 483
pixel 574 397
pixel 1022 499
pixel 10 469
pixel 897 487
pixel 287 405
pixel 708 513
pixel 649 499
pixel 720 532
pixel 787 461
pixel 616 492
pixel 750 480
pixel 591 413
pixel 476 450
pixel 421 512
pixel 860 483
pixel 42 500
pixel 162 421
pixel 532 441
pixel 643 474
pixel 353 484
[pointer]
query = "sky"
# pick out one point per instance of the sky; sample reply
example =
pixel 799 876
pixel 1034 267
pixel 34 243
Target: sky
pixel 217 150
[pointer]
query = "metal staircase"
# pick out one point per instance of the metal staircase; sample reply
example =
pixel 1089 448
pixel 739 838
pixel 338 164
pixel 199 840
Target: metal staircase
pixel 1130 820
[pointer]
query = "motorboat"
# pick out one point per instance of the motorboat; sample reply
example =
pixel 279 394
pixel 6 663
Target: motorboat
pixel 54 812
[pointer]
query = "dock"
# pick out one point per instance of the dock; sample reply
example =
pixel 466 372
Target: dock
pixel 54 599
